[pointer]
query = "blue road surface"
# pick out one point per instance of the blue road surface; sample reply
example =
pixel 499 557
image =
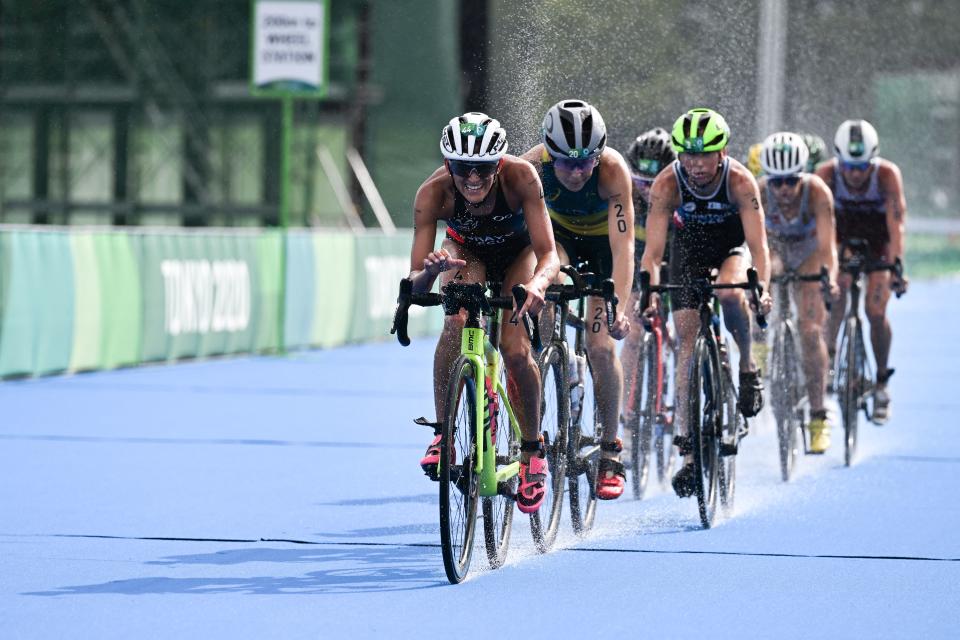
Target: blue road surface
pixel 281 497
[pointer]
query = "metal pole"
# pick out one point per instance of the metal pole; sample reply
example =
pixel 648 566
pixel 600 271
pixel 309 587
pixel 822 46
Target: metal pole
pixel 771 66
pixel 285 142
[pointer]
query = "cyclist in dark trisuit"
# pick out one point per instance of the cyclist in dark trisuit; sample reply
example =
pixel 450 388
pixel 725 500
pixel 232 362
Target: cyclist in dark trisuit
pixel 870 206
pixel 717 207
pixel 646 156
pixel 587 193
pixel 497 230
pixel 799 216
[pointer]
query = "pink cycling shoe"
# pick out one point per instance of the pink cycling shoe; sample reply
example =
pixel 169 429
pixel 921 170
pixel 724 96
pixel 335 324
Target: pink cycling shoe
pixel 533 480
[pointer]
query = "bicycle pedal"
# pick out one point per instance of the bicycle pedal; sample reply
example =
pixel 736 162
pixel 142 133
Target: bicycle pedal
pixel 503 489
pixel 728 450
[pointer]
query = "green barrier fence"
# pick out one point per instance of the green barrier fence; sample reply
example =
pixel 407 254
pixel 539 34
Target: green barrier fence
pixel 76 299
pixel 80 299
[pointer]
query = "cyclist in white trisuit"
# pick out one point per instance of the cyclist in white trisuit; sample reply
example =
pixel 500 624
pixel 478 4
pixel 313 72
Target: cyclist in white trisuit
pixel 798 210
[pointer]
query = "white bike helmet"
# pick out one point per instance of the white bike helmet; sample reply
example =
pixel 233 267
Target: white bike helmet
pixel 856 141
pixel 573 129
pixel 475 137
pixel 784 154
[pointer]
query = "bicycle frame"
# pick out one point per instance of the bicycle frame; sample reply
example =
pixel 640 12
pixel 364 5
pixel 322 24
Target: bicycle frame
pixel 481 352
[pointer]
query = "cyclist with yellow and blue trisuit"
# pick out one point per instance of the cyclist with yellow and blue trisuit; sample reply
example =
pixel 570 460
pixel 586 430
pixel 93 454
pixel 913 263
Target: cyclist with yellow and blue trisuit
pixel 587 193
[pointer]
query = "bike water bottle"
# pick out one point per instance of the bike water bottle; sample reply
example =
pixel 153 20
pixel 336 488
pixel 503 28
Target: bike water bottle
pixel 576 372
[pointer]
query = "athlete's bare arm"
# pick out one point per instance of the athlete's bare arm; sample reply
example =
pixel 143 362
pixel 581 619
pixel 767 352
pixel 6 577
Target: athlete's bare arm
pixel 428 207
pixel 891 183
pixel 664 199
pixel 821 203
pixel 825 172
pixel 533 156
pixel 617 188
pixel 746 194
pixel 521 179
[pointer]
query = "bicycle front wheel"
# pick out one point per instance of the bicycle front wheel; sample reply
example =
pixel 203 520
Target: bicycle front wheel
pixel 583 460
pixel 459 484
pixel 498 510
pixel 851 382
pixel 554 421
pixel 703 418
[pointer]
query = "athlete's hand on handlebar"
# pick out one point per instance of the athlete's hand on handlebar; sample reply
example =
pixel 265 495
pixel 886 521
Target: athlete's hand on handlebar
pixel 536 294
pixel 766 303
pixel 621 327
pixel 437 262
pixel 899 285
pixel 834 290
pixel 653 308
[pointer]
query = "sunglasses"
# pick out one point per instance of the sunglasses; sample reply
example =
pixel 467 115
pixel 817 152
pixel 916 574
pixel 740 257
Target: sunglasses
pixel 463 168
pixel 641 182
pixel 572 164
pixel 856 166
pixel 778 181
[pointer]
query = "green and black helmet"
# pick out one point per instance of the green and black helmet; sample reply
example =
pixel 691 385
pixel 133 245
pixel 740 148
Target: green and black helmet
pixel 700 131
pixel 818 150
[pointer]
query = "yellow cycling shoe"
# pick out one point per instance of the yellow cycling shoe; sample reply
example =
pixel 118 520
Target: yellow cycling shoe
pixel 819 435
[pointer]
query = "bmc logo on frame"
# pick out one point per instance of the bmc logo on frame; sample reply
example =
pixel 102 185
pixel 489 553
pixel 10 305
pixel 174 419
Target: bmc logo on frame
pixel 203 296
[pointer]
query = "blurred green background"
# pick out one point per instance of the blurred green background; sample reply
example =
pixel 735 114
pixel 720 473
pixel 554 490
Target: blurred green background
pixel 138 112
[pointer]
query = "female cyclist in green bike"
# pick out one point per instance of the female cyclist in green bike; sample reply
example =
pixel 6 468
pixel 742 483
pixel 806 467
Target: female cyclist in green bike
pixel 497 231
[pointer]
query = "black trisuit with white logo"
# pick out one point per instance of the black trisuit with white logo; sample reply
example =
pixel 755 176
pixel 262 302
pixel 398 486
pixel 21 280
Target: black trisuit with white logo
pixel 707 231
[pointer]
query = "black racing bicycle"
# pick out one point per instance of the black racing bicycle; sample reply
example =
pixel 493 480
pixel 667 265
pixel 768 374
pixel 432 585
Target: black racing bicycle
pixel 788 397
pixel 715 425
pixel 854 370
pixel 585 427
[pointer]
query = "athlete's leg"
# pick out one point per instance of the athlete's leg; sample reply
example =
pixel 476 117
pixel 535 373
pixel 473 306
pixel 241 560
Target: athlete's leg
pixel 448 346
pixel 878 295
pixel 687 322
pixel 518 356
pixel 607 370
pixel 812 316
pixel 736 313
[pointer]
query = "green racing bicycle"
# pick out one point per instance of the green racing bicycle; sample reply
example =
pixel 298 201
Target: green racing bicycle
pixel 480 435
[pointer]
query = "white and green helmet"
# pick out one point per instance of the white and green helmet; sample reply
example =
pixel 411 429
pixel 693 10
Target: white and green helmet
pixel 475 137
pixel 573 129
pixel 784 154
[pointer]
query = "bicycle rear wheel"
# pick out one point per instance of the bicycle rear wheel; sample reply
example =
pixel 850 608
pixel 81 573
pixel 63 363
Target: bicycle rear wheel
pixel 664 452
pixel 785 392
pixel 733 425
pixel 642 415
pixel 554 421
pixel 850 378
pixel 459 484
pixel 703 417
pixel 498 510
pixel 583 460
